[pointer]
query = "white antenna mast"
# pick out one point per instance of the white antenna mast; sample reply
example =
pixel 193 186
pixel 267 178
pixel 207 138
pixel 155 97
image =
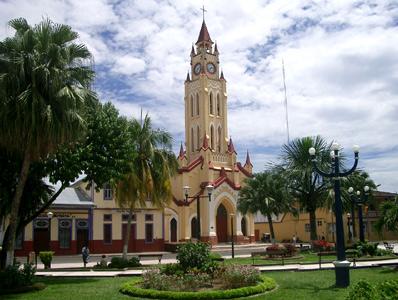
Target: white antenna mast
pixel 286 112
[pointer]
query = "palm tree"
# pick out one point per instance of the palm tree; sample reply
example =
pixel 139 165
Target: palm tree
pixel 266 193
pixel 151 169
pixel 358 180
pixel 389 216
pixel 308 187
pixel 44 86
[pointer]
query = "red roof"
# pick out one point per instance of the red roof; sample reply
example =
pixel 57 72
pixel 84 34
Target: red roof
pixel 248 162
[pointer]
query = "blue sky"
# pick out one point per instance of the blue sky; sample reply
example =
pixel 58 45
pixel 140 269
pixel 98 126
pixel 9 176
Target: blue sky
pixel 340 57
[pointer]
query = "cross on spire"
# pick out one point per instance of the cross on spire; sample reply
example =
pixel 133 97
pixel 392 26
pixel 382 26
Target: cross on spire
pixel 203 10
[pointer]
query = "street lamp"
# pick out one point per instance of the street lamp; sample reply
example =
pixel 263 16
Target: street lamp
pixel 342 271
pixel 209 189
pixel 360 201
pixel 349 227
pixel 232 236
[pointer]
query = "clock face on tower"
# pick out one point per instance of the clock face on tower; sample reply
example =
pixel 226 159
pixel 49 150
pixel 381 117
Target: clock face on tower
pixel 197 69
pixel 211 68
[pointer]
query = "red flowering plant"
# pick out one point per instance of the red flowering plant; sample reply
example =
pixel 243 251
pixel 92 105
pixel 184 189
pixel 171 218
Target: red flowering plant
pixel 322 245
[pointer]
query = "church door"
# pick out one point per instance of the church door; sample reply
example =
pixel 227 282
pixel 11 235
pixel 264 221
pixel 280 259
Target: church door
pixel 173 230
pixel 222 224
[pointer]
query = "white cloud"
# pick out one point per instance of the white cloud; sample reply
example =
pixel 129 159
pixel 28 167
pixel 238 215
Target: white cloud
pixel 340 58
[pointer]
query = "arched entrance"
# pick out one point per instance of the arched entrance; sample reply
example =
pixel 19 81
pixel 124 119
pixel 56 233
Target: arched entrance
pixel 222 224
pixel 243 226
pixel 173 230
pixel 194 228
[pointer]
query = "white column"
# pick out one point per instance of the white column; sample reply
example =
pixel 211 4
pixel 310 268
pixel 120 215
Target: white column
pixel 212 218
pixel 238 223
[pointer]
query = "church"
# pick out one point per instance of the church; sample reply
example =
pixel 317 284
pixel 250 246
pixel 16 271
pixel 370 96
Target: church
pixel 205 188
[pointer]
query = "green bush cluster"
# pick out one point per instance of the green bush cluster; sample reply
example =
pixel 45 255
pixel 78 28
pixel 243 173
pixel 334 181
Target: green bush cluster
pixel 133 289
pixel 363 290
pixel 16 276
pixel 120 263
pixel 46 257
pixel 366 248
pixel 193 255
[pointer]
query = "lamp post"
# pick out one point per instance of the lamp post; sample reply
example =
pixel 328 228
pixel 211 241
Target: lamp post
pixel 209 189
pixel 342 271
pixel 360 201
pixel 354 232
pixel 349 227
pixel 232 236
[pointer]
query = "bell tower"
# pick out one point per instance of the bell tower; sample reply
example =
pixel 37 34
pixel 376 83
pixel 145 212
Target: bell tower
pixel 205 99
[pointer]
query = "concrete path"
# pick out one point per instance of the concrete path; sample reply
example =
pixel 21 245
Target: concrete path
pixel 286 267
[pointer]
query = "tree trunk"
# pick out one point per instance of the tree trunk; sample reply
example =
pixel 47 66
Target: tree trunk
pixel 271 227
pixel 127 237
pixel 314 235
pixel 13 221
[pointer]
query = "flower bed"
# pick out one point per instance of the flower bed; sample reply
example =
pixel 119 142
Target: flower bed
pixel 134 289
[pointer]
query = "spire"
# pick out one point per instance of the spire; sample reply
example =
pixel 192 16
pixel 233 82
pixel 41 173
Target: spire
pixel 215 48
pixel 248 162
pixel 231 148
pixel 188 78
pixel 193 51
pixel 204 36
pixel 222 75
pixel 182 152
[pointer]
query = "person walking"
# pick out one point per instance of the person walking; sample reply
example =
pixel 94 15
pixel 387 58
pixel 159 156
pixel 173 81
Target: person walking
pixel 85 255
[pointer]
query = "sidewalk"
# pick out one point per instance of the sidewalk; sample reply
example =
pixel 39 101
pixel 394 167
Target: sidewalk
pixel 287 267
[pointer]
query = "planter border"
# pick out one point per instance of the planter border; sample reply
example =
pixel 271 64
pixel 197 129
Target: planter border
pixel 131 289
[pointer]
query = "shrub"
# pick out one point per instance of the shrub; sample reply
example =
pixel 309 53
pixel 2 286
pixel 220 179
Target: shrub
pixel 14 276
pixel 322 245
pixel 382 252
pixel 193 255
pixel 211 268
pixel 120 263
pixel 46 257
pixel 155 279
pixel 363 290
pixel 290 249
pixel 388 290
pixel 235 276
pixel 131 288
pixel 171 269
pixel 366 248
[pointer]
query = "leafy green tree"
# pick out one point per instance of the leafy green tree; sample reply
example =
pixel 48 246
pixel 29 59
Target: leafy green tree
pixel 152 166
pixel 307 186
pixel 389 216
pixel 103 155
pixel 45 83
pixel 267 193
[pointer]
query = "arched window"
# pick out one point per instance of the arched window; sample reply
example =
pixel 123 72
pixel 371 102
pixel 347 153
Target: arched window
pixel 192 106
pixel 198 137
pixel 212 137
pixel 192 141
pixel 197 104
pixel 243 226
pixel 218 105
pixel 219 139
pixel 194 228
pixel 211 104
pixel 173 230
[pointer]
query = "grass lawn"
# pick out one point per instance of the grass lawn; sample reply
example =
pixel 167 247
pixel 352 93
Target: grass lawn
pixel 292 285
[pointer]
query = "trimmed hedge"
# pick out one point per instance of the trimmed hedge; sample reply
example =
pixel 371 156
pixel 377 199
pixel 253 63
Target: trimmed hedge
pixel 132 289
